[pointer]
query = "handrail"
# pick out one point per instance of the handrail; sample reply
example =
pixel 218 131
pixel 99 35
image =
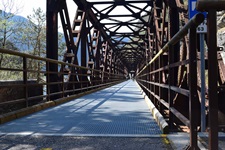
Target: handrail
pixel 204 5
pixel 155 81
pixel 85 79
pixel 193 22
pixel 11 52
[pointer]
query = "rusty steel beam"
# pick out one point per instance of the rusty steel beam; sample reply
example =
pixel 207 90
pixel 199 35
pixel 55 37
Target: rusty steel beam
pixel 73 38
pixel 85 6
pixel 158 20
pixel 52 47
pixel 108 34
pixel 83 49
pixel 212 79
pixel 194 22
pixel 206 5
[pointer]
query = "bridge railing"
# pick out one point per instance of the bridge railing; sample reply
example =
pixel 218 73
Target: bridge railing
pixel 163 93
pixel 24 80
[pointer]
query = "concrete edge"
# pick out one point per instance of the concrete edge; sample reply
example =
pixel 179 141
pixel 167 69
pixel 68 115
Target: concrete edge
pixel 164 127
pixel 36 108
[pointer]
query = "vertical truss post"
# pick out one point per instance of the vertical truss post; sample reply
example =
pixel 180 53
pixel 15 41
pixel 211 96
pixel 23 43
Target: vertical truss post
pixel 173 54
pixel 164 25
pixel 113 63
pixel 174 28
pixel 158 21
pixel 93 59
pixel 212 79
pixel 151 49
pixel 83 38
pixel 118 67
pixel 110 59
pixel 52 47
pixel 98 57
pixel 104 60
pixel 147 57
pixel 193 97
pixel 158 33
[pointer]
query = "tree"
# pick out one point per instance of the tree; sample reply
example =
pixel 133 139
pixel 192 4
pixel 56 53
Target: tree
pixel 31 39
pixel 32 35
pixel 7 25
pixel 37 27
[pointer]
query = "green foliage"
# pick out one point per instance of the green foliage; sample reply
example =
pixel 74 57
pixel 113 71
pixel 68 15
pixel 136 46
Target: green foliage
pixel 12 62
pixel 29 37
pixel 6 28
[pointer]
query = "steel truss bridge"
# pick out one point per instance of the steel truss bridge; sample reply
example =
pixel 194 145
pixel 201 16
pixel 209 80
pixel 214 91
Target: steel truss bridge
pixel 150 41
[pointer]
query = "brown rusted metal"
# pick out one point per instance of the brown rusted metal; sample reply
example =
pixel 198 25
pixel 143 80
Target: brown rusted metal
pixel 193 98
pixel 52 45
pixel 114 78
pixel 194 22
pixel 206 5
pixel 25 80
pixel 212 79
pixel 171 83
pixel 117 39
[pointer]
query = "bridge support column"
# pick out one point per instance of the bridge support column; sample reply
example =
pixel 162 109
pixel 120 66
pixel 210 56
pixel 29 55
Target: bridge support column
pixel 83 38
pixel 52 48
pixel 212 79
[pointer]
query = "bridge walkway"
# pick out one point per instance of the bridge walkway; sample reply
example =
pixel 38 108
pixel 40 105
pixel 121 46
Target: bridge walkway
pixel 119 111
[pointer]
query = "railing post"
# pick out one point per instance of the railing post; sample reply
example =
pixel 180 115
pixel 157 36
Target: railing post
pixel 25 89
pixel 148 79
pixel 145 78
pixel 171 83
pixel 151 80
pixel 62 80
pixel 154 80
pixel 47 83
pixel 193 97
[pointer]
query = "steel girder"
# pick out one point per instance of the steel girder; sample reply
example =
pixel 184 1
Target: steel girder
pixel 87 44
pixel 52 49
pixel 88 38
pixel 124 32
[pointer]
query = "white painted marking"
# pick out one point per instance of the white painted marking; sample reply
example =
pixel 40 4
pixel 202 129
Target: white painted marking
pixel 83 135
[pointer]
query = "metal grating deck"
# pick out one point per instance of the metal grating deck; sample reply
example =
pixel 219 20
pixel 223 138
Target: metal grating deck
pixel 116 111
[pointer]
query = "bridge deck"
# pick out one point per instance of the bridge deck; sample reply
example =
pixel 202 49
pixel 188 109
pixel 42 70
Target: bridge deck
pixel 116 111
